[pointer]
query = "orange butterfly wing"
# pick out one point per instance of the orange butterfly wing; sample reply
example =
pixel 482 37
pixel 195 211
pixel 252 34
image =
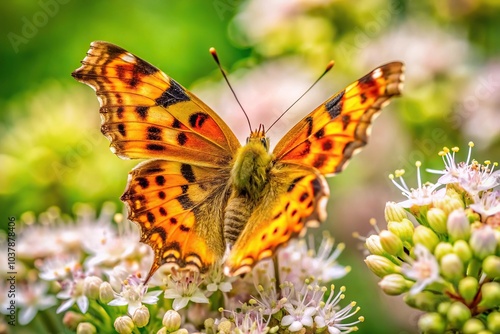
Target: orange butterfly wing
pixel 321 143
pixel 146 114
pixel 328 137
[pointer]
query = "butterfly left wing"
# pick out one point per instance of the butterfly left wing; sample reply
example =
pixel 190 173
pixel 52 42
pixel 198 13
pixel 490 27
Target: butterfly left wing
pixel 328 137
pixel 294 200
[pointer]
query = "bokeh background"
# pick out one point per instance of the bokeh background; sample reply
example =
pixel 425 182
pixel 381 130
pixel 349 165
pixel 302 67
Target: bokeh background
pixel 52 152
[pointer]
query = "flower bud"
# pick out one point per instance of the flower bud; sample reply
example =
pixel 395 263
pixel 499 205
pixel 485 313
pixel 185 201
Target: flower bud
pixel 124 325
pixel 442 249
pixel 395 284
pixel 452 267
pixel 180 331
pixel 424 300
pixel 425 236
pixel 394 212
pixel 373 245
pixel 437 220
pixel 432 323
pixel 444 307
pixel 403 229
pixel 390 242
pixel 85 328
pixel 72 319
pixel 448 204
pixel 468 288
pixel 462 249
pixel 473 326
pixel 381 266
pixel 162 330
pixel 225 326
pixel 493 321
pixel 106 293
pixel 458 225
pixel 458 314
pixel 172 320
pixel 490 293
pixel 141 316
pixel 491 266
pixel 483 241
pixel 91 286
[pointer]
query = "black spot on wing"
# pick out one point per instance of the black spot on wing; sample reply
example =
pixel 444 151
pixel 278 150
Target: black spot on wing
pixel 143 182
pixel 151 217
pixel 184 228
pixel 185 201
pixel 196 120
pixel 334 106
pixel 154 133
pixel 121 129
pixel 142 112
pixel 155 147
pixel 319 161
pixel 294 182
pixel 174 94
pixel 319 134
pixel 176 124
pixel 187 173
pixel 182 138
pixel 160 180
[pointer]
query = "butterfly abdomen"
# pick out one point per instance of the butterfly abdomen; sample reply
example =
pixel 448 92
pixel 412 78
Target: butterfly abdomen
pixel 237 213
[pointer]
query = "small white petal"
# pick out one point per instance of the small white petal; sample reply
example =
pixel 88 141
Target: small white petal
pixel 287 320
pixel 295 326
pixel 65 306
pixel 180 303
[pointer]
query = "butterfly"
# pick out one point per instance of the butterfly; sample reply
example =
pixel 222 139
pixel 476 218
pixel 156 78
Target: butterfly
pixel 202 199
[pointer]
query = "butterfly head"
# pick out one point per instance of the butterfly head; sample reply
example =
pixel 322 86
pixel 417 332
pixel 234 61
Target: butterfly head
pixel 258 137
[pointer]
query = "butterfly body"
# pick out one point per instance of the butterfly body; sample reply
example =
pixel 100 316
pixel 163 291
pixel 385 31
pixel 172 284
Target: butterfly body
pixel 202 198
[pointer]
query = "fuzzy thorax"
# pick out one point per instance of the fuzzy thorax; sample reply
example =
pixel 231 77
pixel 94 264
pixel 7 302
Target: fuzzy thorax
pixel 252 163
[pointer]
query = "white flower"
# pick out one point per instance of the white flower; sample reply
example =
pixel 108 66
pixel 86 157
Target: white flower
pixel 58 267
pixel 424 270
pixel 330 314
pixel 72 290
pixel 216 280
pixel 488 204
pixel 134 294
pixel 251 322
pixel 301 306
pixel 423 195
pixel 109 247
pixel 269 300
pixel 183 287
pixel 31 298
pixel 470 175
pixel 299 261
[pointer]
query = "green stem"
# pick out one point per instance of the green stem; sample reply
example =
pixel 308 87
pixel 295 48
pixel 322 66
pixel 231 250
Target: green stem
pixel 50 322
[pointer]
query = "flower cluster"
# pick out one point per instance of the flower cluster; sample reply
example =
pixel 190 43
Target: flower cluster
pixel 441 247
pixel 92 273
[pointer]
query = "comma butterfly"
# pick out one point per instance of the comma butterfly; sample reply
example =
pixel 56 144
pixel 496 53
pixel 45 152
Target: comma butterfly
pixel 202 198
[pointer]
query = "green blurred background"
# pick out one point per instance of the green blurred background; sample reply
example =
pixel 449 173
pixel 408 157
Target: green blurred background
pixel 52 152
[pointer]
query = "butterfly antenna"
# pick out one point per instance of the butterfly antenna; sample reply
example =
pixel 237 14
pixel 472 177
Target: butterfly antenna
pixel 216 58
pixel 327 69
